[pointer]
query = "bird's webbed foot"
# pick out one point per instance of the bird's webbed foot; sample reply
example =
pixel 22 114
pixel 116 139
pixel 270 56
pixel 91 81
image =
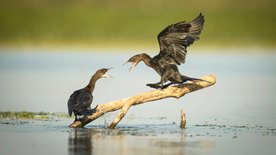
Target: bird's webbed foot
pixel 165 86
pixel 76 118
pixel 92 111
pixel 158 85
pixel 86 112
pixel 154 85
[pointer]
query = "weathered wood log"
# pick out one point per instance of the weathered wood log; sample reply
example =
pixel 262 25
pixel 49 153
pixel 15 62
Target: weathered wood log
pixel 124 104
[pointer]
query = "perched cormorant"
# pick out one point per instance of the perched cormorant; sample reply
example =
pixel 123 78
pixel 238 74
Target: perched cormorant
pixel 80 101
pixel 173 42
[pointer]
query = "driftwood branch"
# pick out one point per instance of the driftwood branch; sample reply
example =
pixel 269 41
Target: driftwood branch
pixel 126 103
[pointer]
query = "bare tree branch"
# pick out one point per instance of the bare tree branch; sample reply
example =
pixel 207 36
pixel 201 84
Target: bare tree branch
pixel 124 104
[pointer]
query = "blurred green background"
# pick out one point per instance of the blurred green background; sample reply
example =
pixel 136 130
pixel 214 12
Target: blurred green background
pixel 123 23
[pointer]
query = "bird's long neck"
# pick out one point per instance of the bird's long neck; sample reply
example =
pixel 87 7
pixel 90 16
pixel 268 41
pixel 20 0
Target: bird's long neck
pixel 91 85
pixel 151 63
pixel 147 60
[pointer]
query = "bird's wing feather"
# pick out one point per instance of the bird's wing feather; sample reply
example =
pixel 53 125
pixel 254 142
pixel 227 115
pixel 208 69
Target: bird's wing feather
pixel 80 99
pixel 175 38
pixel 83 100
pixel 71 103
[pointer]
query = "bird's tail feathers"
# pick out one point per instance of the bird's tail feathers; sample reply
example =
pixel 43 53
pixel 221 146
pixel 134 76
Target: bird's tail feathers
pixel 186 78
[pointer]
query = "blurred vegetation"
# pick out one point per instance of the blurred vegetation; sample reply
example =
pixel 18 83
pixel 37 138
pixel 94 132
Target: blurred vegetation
pixel 31 115
pixel 127 22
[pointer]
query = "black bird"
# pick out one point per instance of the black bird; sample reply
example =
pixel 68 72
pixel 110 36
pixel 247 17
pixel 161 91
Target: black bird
pixel 173 43
pixel 80 101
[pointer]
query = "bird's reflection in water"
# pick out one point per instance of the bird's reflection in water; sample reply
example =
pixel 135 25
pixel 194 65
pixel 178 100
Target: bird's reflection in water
pixel 135 141
pixel 80 142
pixel 96 141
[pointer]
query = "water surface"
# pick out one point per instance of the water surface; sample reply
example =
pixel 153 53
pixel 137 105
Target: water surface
pixel 239 110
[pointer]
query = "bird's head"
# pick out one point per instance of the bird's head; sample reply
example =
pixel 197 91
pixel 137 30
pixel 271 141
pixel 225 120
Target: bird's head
pixel 134 60
pixel 102 73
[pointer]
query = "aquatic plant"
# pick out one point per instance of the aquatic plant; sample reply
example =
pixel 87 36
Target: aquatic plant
pixel 30 115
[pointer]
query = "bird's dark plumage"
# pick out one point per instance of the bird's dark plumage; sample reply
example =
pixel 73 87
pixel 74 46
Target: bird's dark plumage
pixel 175 39
pixel 80 101
pixel 173 43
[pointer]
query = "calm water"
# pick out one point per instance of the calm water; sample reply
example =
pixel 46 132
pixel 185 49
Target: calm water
pixel 54 137
pixel 244 95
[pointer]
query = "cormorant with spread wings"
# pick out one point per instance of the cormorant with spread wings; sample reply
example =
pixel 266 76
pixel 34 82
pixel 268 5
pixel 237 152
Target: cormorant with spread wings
pixel 173 42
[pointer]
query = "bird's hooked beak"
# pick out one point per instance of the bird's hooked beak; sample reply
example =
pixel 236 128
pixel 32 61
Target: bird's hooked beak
pixel 106 75
pixel 133 64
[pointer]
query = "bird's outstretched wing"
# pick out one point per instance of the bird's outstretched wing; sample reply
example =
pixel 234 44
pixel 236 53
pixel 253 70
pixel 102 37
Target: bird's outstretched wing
pixel 175 38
